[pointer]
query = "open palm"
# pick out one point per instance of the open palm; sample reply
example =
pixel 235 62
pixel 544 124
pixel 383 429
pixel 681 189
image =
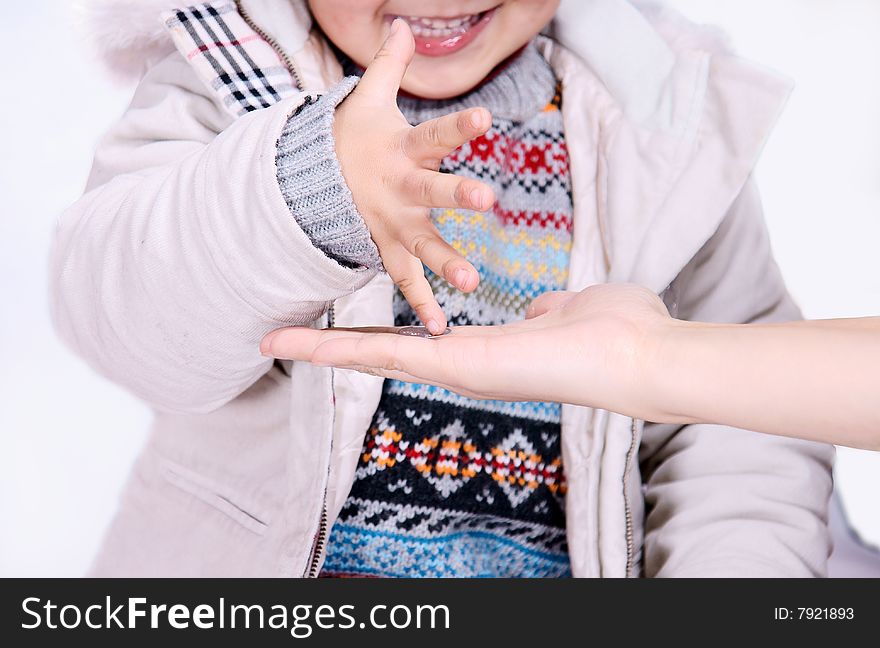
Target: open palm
pixel 584 348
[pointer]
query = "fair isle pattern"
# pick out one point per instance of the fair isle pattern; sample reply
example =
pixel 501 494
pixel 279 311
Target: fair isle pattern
pixel 542 412
pixel 229 56
pixel 448 486
pixel 441 543
pixel 450 459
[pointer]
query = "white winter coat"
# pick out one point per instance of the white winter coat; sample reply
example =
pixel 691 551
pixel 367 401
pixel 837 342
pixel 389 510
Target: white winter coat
pixel 183 254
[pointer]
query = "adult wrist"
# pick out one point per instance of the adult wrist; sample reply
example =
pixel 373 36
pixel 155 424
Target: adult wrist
pixel 671 383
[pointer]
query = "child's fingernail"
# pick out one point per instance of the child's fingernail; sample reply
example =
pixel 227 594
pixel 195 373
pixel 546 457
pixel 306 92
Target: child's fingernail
pixel 477 198
pixel 478 120
pixel 460 278
pixel 395 26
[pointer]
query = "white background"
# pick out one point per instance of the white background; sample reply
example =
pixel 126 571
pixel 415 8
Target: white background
pixel 69 437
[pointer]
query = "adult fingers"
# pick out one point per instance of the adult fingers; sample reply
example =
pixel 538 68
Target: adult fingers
pixel 548 302
pixel 455 333
pixel 298 343
pixel 383 76
pixel 385 373
pixel 437 138
pixel 385 350
pixel 405 377
pixel 341 348
pixel 434 362
pixel 444 190
pixel 478 362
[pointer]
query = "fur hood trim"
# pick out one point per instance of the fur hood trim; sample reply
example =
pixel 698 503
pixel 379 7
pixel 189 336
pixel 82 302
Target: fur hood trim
pixel 127 35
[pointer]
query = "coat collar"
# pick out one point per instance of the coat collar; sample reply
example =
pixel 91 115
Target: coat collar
pixel 288 23
pixel 693 121
pixel 617 42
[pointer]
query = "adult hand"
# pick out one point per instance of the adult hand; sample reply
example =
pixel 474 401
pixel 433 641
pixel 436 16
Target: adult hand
pixel 589 348
pixel 615 347
pixel 392 171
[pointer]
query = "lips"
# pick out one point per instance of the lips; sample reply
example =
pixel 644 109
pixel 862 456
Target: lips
pixel 444 36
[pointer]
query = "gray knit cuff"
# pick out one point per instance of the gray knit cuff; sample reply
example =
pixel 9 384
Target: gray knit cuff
pixel 313 186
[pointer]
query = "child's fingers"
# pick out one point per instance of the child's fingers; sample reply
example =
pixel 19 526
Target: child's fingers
pixel 437 138
pixel 429 247
pixel 382 78
pixel 431 189
pixel 406 271
pixel 548 302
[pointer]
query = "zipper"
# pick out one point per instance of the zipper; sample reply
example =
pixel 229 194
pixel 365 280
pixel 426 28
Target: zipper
pixel 331 316
pixel 323 525
pixel 285 58
pixel 320 542
pixel 630 532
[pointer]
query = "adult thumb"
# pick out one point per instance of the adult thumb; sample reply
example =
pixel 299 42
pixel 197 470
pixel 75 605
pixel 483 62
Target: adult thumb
pixel 383 76
pixel 548 302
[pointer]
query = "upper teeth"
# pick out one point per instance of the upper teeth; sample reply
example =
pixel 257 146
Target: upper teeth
pixel 438 27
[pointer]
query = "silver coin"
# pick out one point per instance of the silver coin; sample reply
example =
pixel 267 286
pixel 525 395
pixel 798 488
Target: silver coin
pixel 420 331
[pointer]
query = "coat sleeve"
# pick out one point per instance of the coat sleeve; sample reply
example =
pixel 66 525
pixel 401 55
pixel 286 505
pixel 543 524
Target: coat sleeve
pixel 723 502
pixel 183 253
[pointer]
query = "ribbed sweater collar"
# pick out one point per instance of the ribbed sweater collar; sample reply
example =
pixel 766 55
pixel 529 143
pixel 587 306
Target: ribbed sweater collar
pixel 520 89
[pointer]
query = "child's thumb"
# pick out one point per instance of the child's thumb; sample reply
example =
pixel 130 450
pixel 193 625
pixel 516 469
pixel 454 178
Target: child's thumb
pixel 383 76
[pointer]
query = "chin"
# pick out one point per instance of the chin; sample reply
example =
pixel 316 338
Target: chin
pixel 430 79
pixel 439 91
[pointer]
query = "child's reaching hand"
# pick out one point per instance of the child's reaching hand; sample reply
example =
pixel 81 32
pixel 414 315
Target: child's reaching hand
pixel 392 171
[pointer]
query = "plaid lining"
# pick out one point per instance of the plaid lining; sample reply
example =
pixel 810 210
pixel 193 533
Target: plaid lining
pixel 230 57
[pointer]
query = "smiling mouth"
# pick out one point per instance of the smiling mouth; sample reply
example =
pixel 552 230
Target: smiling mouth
pixel 428 27
pixel 437 36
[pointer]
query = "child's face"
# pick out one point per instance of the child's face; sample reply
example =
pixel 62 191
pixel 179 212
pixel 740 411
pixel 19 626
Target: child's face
pixel 458 42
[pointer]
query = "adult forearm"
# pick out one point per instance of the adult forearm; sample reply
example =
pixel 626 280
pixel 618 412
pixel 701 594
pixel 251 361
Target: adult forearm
pixel 815 380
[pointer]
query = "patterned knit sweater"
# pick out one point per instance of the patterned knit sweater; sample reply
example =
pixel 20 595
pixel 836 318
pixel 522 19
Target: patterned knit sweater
pixel 448 486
